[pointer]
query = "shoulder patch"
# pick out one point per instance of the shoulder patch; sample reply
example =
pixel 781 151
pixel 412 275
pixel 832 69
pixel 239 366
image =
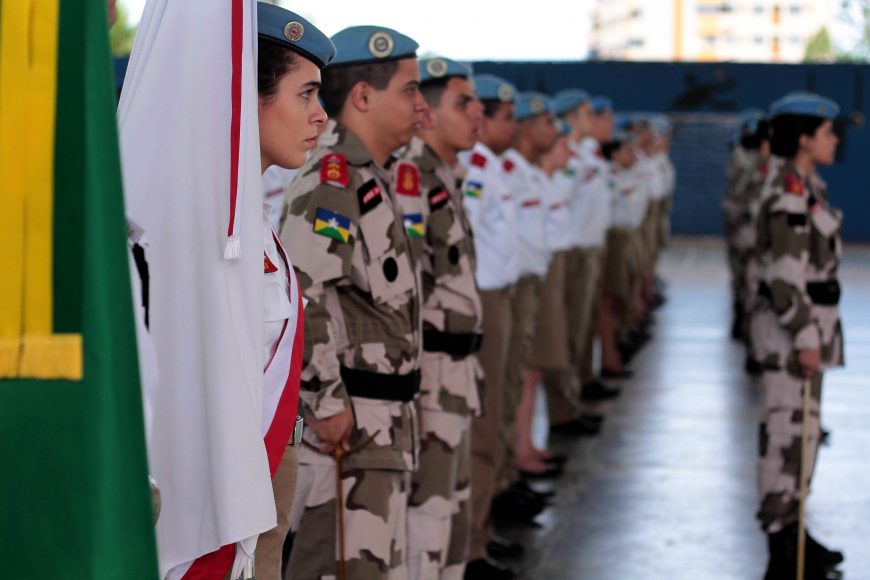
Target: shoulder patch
pixel 332 225
pixel 508 165
pixel 473 189
pixel 794 184
pixel 407 179
pixel 478 160
pixel 370 196
pixel 333 170
pixel 414 225
pixel 438 198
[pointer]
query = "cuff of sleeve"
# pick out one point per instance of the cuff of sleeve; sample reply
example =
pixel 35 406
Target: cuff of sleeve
pixel 319 406
pixel 808 338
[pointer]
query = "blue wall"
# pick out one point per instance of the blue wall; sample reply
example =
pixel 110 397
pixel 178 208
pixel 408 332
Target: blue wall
pixel 721 90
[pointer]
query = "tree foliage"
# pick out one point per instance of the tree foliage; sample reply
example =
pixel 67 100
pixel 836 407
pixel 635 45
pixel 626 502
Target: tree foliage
pixel 122 33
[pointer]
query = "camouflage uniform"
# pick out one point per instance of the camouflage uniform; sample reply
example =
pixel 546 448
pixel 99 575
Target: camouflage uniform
pixel 362 351
pixel 439 517
pixel 800 246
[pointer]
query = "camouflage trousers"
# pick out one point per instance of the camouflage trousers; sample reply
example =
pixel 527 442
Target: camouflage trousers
pixel 582 293
pixel 439 511
pixel 375 520
pixel 779 445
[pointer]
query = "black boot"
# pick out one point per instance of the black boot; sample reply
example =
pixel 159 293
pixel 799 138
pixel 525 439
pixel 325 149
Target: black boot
pixel 782 565
pixel 825 556
pixel 488 569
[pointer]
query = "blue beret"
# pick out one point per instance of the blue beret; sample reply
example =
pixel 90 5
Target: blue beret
pixel 600 104
pixel 805 104
pixel 749 120
pixel 291 30
pixel 623 121
pixel 436 68
pixel 569 99
pixel 367 44
pixel 493 88
pixel 531 104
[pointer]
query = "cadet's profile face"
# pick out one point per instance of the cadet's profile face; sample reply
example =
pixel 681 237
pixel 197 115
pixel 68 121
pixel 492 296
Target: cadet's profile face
pixel 601 126
pixel 292 118
pixel 501 128
pixel 624 156
pixel 458 115
pixel 112 12
pixel 581 119
pixel 397 109
pixel 543 131
pixel 822 146
pixel 560 153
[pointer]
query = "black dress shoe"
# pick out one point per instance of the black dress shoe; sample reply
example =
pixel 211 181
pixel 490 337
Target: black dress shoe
pixel 782 562
pixel 500 548
pixel 522 486
pixel 552 471
pixel 594 417
pixel 824 436
pixel 513 507
pixel 577 426
pixel 614 374
pixel 828 557
pixel 488 569
pixel 558 459
pixel 598 390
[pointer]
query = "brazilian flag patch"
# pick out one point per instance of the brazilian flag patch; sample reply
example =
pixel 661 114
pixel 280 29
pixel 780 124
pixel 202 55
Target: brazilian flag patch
pixel 473 189
pixel 414 225
pixel 332 225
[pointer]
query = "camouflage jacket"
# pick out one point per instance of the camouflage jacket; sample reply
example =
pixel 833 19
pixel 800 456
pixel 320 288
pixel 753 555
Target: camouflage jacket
pixel 361 280
pixel 799 244
pixel 429 198
pixel 743 165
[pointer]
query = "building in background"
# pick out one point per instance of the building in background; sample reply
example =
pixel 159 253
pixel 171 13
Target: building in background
pixel 707 30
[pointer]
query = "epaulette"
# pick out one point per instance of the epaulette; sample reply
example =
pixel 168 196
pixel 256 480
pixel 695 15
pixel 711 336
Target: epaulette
pixel 478 160
pixel 333 170
pixel 508 165
pixel 407 179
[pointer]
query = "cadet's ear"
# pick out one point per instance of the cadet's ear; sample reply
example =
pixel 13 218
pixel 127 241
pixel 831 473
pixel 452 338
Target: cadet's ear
pixel 360 95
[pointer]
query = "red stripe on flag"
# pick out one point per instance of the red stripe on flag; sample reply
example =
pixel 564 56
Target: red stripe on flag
pixel 284 421
pixel 238 17
pixel 213 566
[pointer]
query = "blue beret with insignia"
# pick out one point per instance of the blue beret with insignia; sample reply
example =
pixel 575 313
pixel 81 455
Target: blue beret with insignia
pixel 436 68
pixel 291 30
pixel 568 100
pixel 531 104
pixel 801 103
pixel 600 104
pixel 359 45
pixel 493 88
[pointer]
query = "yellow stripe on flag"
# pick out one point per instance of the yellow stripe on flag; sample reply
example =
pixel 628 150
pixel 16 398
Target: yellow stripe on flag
pixel 28 94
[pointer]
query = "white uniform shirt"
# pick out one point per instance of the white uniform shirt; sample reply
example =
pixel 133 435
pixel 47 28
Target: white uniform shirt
pixel 628 198
pixel 528 187
pixel 276 290
pixel 560 233
pixel 590 204
pixel 490 209
pixel 275 182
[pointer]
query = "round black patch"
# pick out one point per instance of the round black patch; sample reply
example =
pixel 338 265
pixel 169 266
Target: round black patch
pixel 391 269
pixel 453 255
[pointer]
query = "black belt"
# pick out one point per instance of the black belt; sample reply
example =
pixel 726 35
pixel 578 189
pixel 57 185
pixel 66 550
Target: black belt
pixel 452 344
pixel 821 293
pixel 370 385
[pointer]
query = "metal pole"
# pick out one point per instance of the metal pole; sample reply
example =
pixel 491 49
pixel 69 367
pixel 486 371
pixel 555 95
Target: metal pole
pixel 804 479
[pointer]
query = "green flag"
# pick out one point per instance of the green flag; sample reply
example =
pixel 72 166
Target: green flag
pixel 74 496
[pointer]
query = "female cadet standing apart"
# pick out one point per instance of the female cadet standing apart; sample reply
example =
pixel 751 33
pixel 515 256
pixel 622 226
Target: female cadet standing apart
pixel 291 52
pixel 797 331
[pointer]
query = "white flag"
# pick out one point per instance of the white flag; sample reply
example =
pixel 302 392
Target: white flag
pixel 189 139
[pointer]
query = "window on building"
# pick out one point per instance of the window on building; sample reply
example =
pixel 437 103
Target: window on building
pixel 635 42
pixel 758 40
pixel 636 13
pixel 709 39
pixel 795 8
pixel 795 39
pixel 759 9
